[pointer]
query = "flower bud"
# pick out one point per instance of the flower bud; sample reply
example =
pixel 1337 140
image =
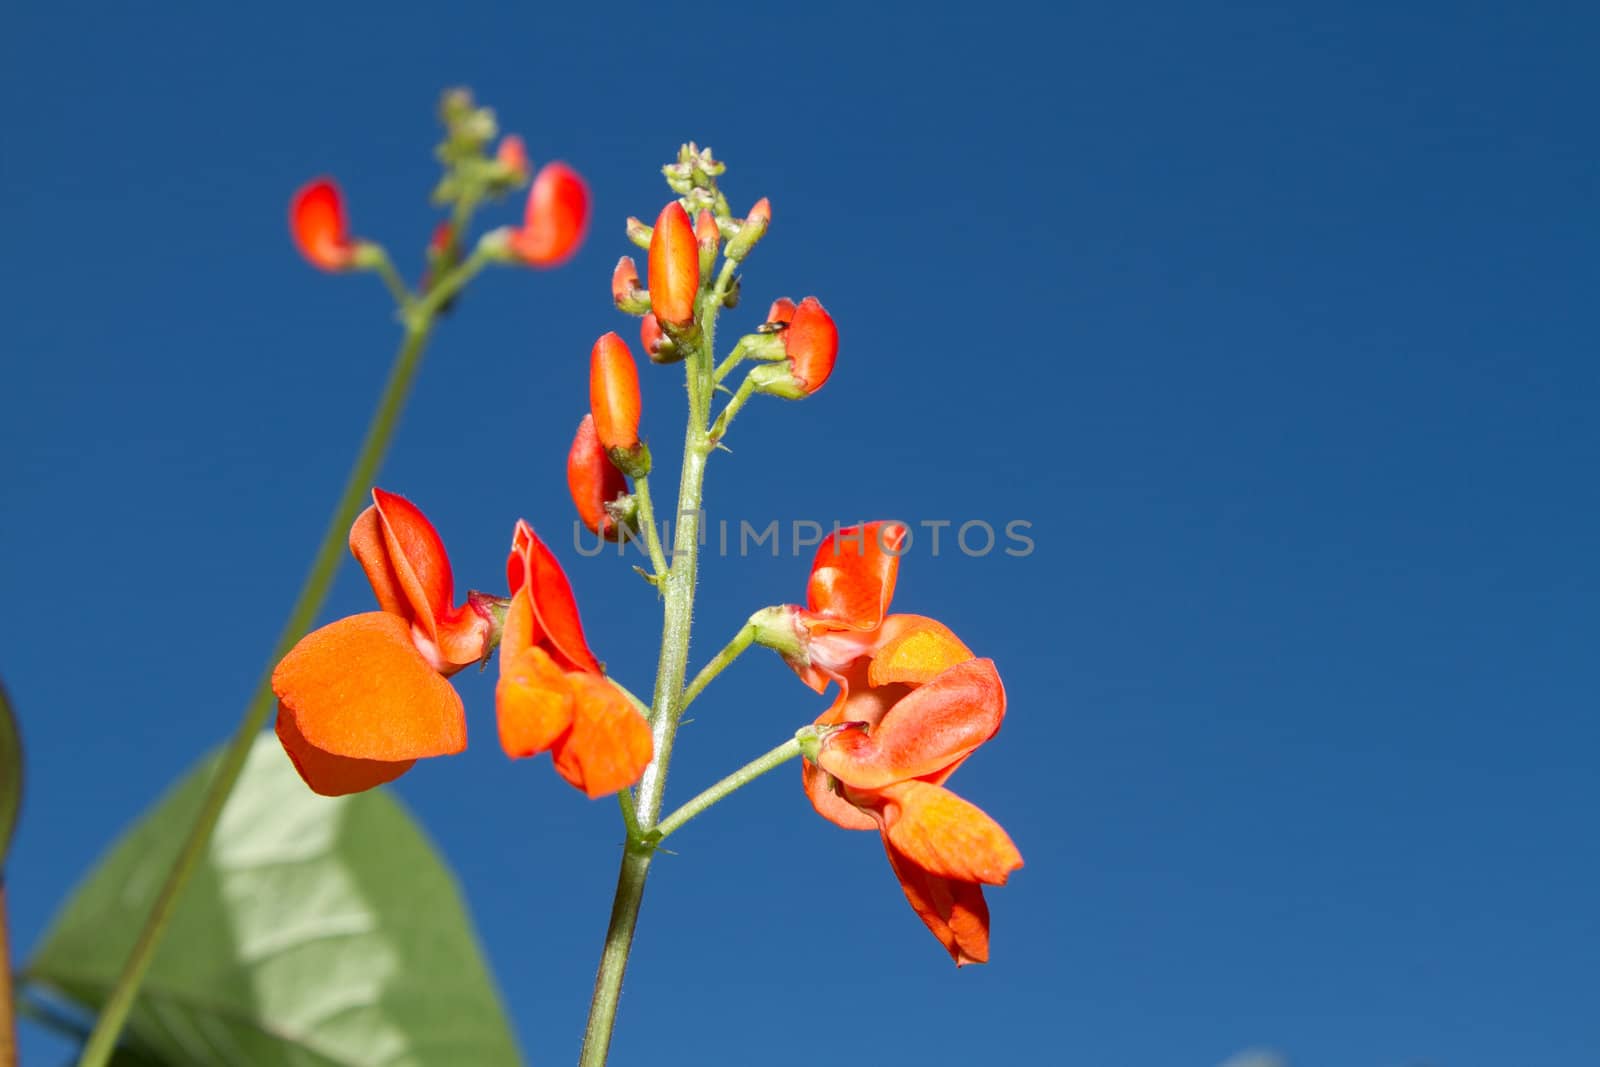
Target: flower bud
pixel 625 290
pixel 707 237
pixel 811 343
pixel 317 224
pixel 638 232
pixel 751 230
pixel 614 393
pixel 595 482
pixel 512 155
pixel 657 345
pixel 556 219
pixel 674 268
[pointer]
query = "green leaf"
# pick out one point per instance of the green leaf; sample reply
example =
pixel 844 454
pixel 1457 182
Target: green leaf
pixel 315 932
pixel 10 777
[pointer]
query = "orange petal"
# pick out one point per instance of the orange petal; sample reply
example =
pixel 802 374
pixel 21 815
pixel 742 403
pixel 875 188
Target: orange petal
pixel 614 392
pixel 924 732
pixel 812 342
pixel 556 219
pixel 853 575
pixel 674 267
pixel 782 310
pixel 417 555
pixel 593 480
pixel 317 224
pixel 914 649
pixel 822 791
pixel 358 687
pixel 330 775
pixel 609 745
pixel 955 911
pixel 368 546
pixel 533 702
pixel 947 836
pixel 555 610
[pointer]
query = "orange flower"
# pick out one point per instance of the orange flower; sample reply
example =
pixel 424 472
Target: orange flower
pixel 614 393
pixel 553 694
pixel 362 699
pixel 811 343
pixel 594 481
pixel 913 704
pixel 512 154
pixel 556 220
pixel 674 267
pixel 318 226
pixel 852 582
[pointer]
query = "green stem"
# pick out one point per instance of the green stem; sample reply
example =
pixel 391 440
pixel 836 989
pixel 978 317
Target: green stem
pixel 391 278
pixel 647 519
pixel 677 586
pixel 730 652
pixel 402 373
pixel 719 430
pixel 737 780
pixel 422 312
pixel 8 1028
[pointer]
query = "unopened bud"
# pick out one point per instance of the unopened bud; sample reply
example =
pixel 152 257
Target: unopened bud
pixel 707 238
pixel 625 289
pixel 751 230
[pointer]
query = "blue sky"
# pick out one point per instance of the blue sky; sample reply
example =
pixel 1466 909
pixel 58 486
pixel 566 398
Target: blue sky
pixel 1276 323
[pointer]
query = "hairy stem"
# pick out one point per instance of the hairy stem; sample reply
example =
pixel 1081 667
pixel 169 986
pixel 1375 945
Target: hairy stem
pixel 102 1041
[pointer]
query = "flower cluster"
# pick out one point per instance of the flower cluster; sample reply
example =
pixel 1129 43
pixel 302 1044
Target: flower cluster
pixel 913 704
pixel 362 699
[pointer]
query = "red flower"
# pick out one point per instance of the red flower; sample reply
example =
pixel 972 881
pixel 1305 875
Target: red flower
pixel 317 224
pixel 362 699
pixel 594 481
pixel 553 694
pixel 913 704
pixel 674 267
pixel 556 220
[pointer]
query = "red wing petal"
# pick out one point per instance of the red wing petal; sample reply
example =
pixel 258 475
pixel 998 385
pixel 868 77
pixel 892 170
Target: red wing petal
pixel 330 775
pixel 853 575
pixel 555 610
pixel 317 224
pixel 358 687
pixel 417 555
pixel 556 219
pixel 925 731
pixel 368 546
pixel 947 836
pixel 955 911
pixel 609 745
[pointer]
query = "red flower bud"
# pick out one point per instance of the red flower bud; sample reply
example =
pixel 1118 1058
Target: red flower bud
pixel 614 393
pixel 513 156
pixel 782 310
pixel 556 220
pixel 625 291
pixel 707 237
pixel 593 480
pixel 760 214
pixel 317 223
pixel 674 267
pixel 812 342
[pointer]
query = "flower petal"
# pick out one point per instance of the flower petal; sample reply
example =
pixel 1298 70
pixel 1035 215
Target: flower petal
pixel 556 219
pixel 594 481
pixel 330 775
pixel 358 687
pixel 533 699
pixel 822 790
pixel 317 224
pixel 914 649
pixel 609 745
pixel 555 610
pixel 947 836
pixel 931 727
pixel 954 910
pixel 417 555
pixel 853 575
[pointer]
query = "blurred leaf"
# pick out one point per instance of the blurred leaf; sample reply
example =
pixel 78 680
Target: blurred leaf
pixel 10 776
pixel 315 932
